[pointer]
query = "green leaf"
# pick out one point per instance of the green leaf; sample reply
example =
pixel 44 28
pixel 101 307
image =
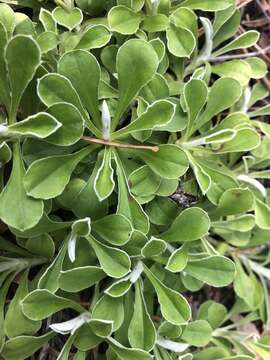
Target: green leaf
pixel 81 205
pixel 178 259
pixel 258 67
pixel 114 262
pixel 190 225
pixel 23 347
pixel 161 211
pixel 83 71
pixel 245 40
pixel 69 19
pixel 94 37
pixel 155 23
pixel 215 270
pixel 7 18
pixel 104 183
pixel 77 279
pixel 124 353
pixel 16 323
pixel 40 304
pixel 123 20
pixel 239 70
pixel 235 201
pixel 139 56
pixel 72 124
pixel 153 247
pixel 47 41
pixel 143 181
pixel 197 333
pixel 207 5
pixel 262 214
pixel 4 84
pixel 217 102
pixel 185 18
pixel 127 204
pixel 247 287
pixel 141 331
pixel 111 309
pixel 39 180
pixel 242 223
pixel 17 209
pixel 246 139
pixel 181 41
pixel 47 20
pixel 21 52
pixel 40 125
pixel 169 162
pixel 50 278
pixel 195 95
pixel 156 115
pixel 55 88
pixel 173 305
pixel 116 229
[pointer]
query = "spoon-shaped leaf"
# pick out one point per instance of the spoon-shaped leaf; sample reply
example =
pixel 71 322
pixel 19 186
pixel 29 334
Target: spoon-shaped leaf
pixel 215 270
pixel 208 5
pixel 23 347
pixel 47 178
pixel 40 125
pixel 16 323
pixel 50 278
pixel 4 84
pixel 143 181
pixel 178 259
pixel 116 229
pixel 235 201
pixel 181 41
pixel 245 139
pixel 22 52
pixel 104 182
pixel 127 204
pixel 262 214
pixel 7 18
pixel 141 57
pixel 197 333
pixel 111 309
pixel 83 70
pixel 157 114
pixel 124 353
pixel 17 209
pixel 217 102
pixel 169 162
pixel 67 18
pixel 45 225
pixel 114 262
pixel 195 93
pixel 190 225
pixel 55 88
pixel 40 304
pixel 174 307
pixel 241 223
pixel 153 247
pixel 81 205
pixel 94 37
pixel 244 41
pixel 141 331
pixel 72 124
pixel 123 20
pixel 77 279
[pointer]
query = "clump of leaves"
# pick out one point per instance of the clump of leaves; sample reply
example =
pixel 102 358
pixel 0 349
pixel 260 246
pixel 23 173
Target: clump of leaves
pixel 133 167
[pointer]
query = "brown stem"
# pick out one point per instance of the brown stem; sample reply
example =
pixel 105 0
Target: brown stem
pixel 119 145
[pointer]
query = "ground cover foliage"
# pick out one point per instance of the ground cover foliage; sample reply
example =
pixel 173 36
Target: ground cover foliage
pixel 134 164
